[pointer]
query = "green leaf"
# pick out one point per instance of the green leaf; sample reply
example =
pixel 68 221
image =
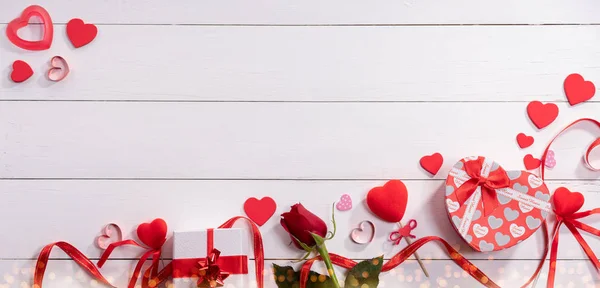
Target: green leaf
pixel 286 277
pixel 365 272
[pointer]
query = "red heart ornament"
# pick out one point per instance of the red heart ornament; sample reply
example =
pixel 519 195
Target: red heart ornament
pixel 388 202
pixel 523 204
pixel 542 114
pixel 21 71
pixel 79 33
pixel 153 234
pixel 566 202
pixel 578 90
pixel 524 141
pixel 23 20
pixel 531 162
pixel 260 211
pixel 432 163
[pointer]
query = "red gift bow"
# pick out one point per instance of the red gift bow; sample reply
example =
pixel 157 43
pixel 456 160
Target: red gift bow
pixel 210 272
pixel 403 231
pixel 496 179
pixel 87 265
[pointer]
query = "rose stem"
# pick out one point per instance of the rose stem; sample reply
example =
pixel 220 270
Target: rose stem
pixel 408 241
pixel 322 249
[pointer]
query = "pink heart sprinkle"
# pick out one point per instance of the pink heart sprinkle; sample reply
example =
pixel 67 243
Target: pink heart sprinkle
pixel 345 203
pixel 550 162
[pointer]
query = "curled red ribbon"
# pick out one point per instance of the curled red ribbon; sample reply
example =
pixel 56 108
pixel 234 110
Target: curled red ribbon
pixel 404 231
pixel 150 273
pixel 495 180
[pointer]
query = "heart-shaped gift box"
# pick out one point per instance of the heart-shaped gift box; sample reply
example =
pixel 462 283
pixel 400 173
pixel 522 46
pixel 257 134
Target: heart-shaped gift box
pixel 493 209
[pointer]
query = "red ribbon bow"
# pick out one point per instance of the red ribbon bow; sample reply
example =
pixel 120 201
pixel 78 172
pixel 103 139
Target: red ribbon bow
pixel 209 273
pixel 404 231
pixel 495 180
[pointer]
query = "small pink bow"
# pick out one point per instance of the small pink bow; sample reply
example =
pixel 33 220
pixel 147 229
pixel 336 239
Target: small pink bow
pixel 404 231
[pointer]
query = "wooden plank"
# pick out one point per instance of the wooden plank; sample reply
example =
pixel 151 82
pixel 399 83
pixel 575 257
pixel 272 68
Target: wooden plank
pixel 444 273
pixel 197 63
pixel 316 12
pixel 273 140
pixel 44 211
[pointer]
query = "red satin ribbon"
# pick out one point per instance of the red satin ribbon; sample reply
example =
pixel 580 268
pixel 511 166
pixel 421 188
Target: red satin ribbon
pixel 151 272
pixel 496 179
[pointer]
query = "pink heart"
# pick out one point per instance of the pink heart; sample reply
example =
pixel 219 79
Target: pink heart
pixel 59 69
pixel 550 162
pixel 345 203
pixel 107 238
pixel 361 235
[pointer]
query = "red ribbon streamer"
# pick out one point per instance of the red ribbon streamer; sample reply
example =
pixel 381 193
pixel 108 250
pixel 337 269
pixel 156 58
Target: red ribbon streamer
pixel 151 272
pixel 495 180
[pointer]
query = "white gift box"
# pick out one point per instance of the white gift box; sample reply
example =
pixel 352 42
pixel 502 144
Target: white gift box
pixel 189 247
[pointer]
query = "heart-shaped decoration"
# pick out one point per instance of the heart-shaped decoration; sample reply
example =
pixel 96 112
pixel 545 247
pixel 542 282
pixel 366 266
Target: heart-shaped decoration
pixel 345 203
pixel 21 71
pixel 531 162
pixel 566 202
pixel 522 204
pixel 153 234
pixel 542 114
pixel 577 89
pixel 388 202
pixel 79 33
pixel 524 141
pixel 432 163
pixel 59 69
pixel 550 162
pixel 23 20
pixel 110 234
pixel 361 235
pixel 260 211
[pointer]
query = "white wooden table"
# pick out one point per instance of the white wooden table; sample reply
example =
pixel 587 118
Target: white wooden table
pixel 183 109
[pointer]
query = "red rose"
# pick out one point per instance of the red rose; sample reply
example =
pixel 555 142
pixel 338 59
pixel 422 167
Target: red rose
pixel 300 222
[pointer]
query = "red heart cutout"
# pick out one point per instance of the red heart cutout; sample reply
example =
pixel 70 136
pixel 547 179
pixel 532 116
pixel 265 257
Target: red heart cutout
pixel 542 114
pixel 80 33
pixel 531 162
pixel 578 90
pixel 566 202
pixel 388 202
pixel 260 211
pixel 432 163
pixel 153 234
pixel 21 71
pixel 23 20
pixel 524 141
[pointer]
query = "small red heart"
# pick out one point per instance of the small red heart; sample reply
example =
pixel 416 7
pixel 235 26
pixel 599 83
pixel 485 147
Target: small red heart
pixel 80 33
pixel 388 202
pixel 23 20
pixel 566 202
pixel 260 211
pixel 432 163
pixel 542 114
pixel 578 90
pixel 531 162
pixel 21 71
pixel 153 234
pixel 524 141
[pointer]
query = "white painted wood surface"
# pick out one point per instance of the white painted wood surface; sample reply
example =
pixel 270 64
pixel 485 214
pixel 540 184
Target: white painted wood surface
pixel 302 102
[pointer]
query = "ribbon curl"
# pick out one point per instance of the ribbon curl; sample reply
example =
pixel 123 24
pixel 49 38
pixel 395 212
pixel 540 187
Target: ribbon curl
pixel 495 180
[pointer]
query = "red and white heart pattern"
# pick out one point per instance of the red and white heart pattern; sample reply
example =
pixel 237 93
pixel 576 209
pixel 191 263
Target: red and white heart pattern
pixel 523 206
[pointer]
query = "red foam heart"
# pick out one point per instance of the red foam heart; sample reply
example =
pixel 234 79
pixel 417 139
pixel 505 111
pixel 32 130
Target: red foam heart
pixel 260 211
pixel 153 234
pixel 524 141
pixel 80 33
pixel 566 202
pixel 531 162
pixel 388 202
pixel 21 71
pixel 578 90
pixel 432 163
pixel 542 114
pixel 23 20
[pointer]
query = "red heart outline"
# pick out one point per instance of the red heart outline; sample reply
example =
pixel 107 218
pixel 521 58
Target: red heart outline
pixel 260 211
pixel 22 21
pixel 21 71
pixel 524 141
pixel 531 162
pixel 541 114
pixel 566 202
pixel 388 202
pixel 79 33
pixel 153 234
pixel 577 89
pixel 432 163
